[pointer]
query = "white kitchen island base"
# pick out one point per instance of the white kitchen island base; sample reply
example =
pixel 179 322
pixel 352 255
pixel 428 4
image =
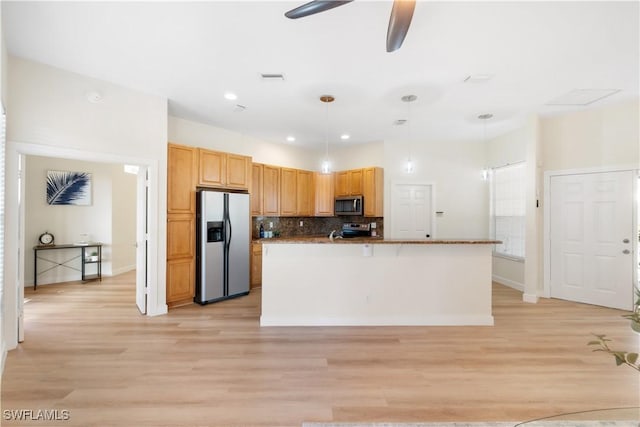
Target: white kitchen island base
pixel 386 283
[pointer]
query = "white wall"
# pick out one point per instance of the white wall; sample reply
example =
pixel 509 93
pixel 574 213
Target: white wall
pixel 607 136
pixel 186 132
pixel 110 219
pixel 355 156
pixel 48 114
pixel 456 170
pixel 123 220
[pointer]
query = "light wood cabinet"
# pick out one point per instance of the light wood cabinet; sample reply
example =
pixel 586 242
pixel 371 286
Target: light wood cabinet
pixel 324 194
pixel 349 183
pixel 355 182
pixel 372 191
pixel 211 168
pixel 238 171
pixel 270 190
pixel 256 189
pixel 342 183
pixel 288 192
pixel 256 265
pixel 223 170
pixel 182 167
pixel 181 172
pixel 181 233
pixel 305 193
pixel 180 281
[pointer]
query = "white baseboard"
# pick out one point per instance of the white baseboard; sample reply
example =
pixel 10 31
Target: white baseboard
pixel 531 298
pixel 121 270
pixel 508 282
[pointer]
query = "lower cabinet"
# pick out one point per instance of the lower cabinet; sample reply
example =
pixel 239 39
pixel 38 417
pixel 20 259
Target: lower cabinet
pixel 256 265
pixel 181 276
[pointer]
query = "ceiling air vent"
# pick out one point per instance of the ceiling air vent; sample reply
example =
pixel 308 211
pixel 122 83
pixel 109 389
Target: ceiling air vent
pixel 582 97
pixel 400 122
pixel 272 77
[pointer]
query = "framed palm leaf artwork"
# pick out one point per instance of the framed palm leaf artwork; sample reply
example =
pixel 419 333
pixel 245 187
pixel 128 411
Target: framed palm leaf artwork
pixel 68 188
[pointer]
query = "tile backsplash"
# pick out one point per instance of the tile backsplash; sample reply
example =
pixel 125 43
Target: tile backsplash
pixel 311 226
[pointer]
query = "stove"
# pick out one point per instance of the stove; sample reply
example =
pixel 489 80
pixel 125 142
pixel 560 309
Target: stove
pixel 356 230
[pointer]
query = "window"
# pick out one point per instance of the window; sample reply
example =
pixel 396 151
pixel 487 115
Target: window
pixel 508 209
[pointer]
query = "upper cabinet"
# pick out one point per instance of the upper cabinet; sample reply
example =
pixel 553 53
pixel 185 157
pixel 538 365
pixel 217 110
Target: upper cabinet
pixel 372 191
pixel 288 192
pixel 270 190
pixel 305 193
pixel 324 194
pixel 257 170
pixel 223 170
pixel 238 171
pixel 182 166
pixel 279 191
pixel 349 183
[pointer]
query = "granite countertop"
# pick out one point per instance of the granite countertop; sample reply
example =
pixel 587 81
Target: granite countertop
pixel 375 240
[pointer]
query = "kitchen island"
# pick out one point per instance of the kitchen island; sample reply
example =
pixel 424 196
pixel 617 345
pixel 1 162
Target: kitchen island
pixel 369 281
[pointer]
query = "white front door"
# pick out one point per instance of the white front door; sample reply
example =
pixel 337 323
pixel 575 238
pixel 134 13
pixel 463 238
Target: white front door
pixel 591 232
pixel 411 211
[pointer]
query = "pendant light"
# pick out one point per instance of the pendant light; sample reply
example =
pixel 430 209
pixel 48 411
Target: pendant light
pixel 408 99
pixel 484 118
pixel 326 164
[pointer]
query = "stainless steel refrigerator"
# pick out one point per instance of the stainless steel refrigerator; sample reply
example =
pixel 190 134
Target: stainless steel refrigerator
pixel 222 255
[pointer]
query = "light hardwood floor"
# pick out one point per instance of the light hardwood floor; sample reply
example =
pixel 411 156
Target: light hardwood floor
pixel 88 351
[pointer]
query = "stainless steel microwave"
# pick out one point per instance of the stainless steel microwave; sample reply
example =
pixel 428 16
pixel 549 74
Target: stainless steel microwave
pixel 349 205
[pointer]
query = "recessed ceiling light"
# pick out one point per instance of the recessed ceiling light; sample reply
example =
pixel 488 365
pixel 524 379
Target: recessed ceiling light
pixel 344 136
pixel 230 96
pixel 94 97
pixel 291 138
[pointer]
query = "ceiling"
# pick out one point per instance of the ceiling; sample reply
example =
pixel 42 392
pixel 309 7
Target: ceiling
pixel 193 53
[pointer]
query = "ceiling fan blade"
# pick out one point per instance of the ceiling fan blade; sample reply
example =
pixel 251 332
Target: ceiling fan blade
pixel 399 22
pixel 313 7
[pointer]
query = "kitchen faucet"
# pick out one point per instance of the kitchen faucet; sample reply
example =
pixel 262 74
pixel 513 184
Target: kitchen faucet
pixel 331 236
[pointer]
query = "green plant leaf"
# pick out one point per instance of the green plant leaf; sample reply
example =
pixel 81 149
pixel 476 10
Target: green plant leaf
pixel 635 325
pixel 619 361
pixel 632 358
pixel 593 343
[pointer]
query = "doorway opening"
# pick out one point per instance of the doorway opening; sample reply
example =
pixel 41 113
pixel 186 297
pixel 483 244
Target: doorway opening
pixel 139 242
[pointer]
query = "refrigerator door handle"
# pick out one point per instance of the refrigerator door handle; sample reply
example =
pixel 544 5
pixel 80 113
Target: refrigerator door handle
pixel 230 233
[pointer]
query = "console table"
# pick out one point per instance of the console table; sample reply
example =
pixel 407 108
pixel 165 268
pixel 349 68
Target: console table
pixel 84 256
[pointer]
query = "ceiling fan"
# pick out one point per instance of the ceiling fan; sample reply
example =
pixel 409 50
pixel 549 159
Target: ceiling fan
pixel 399 21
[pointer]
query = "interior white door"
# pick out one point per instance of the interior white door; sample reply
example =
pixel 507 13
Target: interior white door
pixel 412 213
pixel 591 232
pixel 141 239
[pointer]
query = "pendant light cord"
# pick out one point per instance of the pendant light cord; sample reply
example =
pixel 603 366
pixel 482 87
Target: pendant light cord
pixel 326 132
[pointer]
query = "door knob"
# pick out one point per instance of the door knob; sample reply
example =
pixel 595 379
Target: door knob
pixel 625 241
pixel 626 251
